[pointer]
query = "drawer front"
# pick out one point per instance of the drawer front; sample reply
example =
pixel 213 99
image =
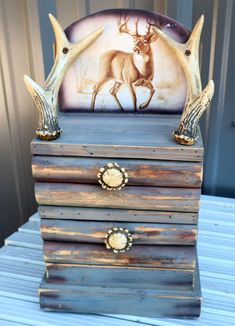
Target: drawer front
pixel 130 197
pixel 120 277
pixel 183 257
pixel 141 233
pixel 140 172
pixel 121 215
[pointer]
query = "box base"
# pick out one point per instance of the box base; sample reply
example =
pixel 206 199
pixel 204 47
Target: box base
pixel 57 296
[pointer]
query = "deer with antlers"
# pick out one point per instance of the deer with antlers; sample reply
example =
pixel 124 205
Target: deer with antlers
pixel 128 68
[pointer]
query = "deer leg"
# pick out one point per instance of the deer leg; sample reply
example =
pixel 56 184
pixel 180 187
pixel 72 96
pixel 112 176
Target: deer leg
pixel 114 90
pixel 133 96
pixel 96 90
pixel 149 85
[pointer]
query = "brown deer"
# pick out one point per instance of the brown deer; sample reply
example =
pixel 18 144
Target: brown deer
pixel 132 68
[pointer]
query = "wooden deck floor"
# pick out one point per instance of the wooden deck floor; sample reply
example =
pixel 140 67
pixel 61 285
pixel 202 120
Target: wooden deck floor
pixel 21 269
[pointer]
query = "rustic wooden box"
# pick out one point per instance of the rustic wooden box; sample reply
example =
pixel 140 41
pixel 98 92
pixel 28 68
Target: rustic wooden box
pixel 118 190
pixel 159 206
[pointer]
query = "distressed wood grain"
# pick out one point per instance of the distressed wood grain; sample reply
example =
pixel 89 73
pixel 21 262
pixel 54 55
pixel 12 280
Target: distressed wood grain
pixel 94 232
pixel 119 136
pixel 130 277
pixel 121 215
pixel 139 255
pixel 21 271
pixel 140 172
pixel 133 197
pixel 138 302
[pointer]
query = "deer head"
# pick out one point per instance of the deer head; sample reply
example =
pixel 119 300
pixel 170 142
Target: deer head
pixel 141 42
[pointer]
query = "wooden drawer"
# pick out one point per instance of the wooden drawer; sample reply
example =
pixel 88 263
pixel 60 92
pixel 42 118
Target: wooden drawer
pixel 183 257
pixel 130 197
pixel 123 277
pixel 140 172
pixel 95 232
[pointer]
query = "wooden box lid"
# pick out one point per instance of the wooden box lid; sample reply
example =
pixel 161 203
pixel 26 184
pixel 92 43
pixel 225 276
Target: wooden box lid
pixel 119 136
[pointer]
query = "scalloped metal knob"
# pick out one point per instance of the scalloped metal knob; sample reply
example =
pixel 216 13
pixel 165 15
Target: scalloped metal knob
pixel 112 177
pixel 118 240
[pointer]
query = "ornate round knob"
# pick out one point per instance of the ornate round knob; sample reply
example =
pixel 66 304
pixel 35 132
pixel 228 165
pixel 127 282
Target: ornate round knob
pixel 112 177
pixel 118 239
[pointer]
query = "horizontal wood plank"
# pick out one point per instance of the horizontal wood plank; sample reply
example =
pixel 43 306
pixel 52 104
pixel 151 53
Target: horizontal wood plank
pixel 121 215
pixel 140 172
pixel 131 277
pixel 18 300
pixel 140 256
pixel 218 247
pixel 146 302
pixel 94 232
pixel 119 136
pixel 133 197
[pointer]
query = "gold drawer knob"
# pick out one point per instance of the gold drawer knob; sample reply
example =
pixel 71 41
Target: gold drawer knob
pixel 118 240
pixel 112 177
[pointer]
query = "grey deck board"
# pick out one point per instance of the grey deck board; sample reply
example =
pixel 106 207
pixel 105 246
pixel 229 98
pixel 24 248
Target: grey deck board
pixel 21 269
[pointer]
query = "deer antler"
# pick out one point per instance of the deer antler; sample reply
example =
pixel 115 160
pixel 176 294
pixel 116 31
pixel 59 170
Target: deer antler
pixel 46 97
pixel 197 100
pixel 136 27
pixel 122 23
pixel 150 24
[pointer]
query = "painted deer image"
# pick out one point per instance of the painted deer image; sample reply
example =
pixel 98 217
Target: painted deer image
pixel 128 68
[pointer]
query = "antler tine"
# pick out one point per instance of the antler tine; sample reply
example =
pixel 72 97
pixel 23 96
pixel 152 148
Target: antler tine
pixel 151 23
pixel 119 20
pixel 136 26
pixel 122 22
pixel 123 26
pixel 148 20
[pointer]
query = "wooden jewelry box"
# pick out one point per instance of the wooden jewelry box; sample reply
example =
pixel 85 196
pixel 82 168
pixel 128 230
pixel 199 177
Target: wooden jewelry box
pixel 118 195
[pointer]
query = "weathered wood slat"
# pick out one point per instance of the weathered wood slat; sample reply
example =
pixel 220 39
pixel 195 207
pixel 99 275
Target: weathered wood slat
pixel 140 172
pixel 213 231
pixel 221 288
pixel 121 215
pixel 205 247
pixel 18 267
pixel 216 268
pixel 149 198
pixel 94 232
pixel 138 256
pixel 120 136
pixel 131 277
pixel 140 302
pixel 221 268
